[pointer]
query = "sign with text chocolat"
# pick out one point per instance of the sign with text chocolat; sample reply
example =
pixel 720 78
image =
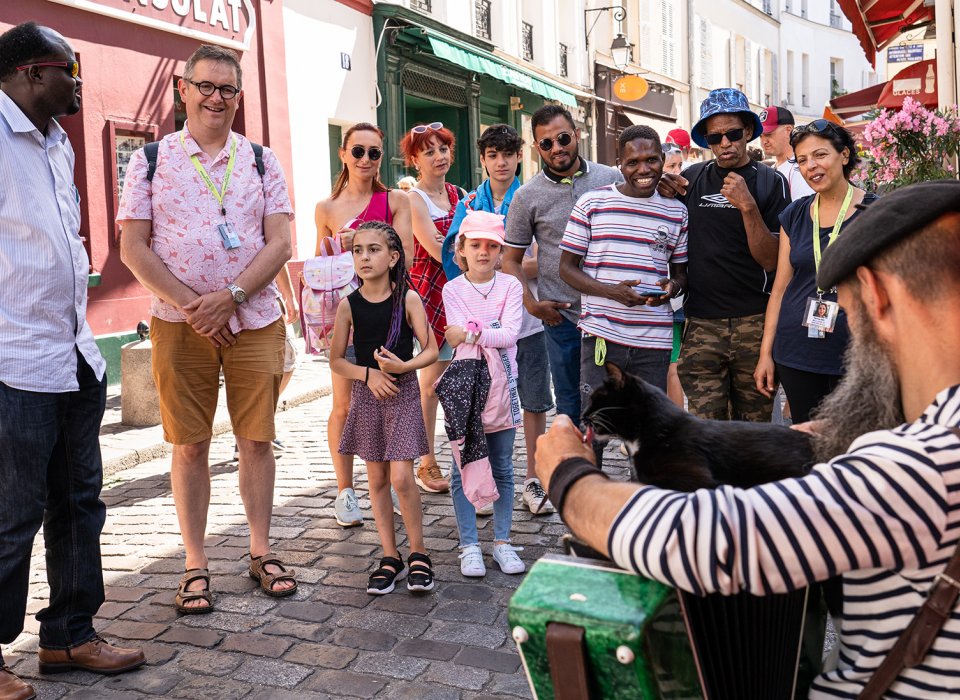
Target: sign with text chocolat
pixel 228 23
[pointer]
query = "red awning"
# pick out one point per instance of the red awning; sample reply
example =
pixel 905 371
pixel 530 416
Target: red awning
pixel 878 22
pixel 918 81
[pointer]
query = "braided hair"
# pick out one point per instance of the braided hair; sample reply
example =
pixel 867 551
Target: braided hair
pixel 399 277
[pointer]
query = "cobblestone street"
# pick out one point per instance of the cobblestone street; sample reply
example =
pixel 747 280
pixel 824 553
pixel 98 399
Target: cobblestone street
pixel 329 640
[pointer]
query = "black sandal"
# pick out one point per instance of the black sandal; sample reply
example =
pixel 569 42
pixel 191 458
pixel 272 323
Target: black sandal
pixel 420 578
pixel 383 579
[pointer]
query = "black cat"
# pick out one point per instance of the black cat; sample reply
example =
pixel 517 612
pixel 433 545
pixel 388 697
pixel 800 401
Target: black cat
pixel 674 450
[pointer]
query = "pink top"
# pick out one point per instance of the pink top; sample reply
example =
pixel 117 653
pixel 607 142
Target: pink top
pixel 504 302
pixel 185 215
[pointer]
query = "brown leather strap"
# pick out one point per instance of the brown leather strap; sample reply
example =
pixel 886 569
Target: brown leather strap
pixel 915 641
pixel 567 656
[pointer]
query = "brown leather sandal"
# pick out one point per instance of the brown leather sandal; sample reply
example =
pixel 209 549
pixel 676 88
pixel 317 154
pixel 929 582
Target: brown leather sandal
pixel 259 573
pixel 183 595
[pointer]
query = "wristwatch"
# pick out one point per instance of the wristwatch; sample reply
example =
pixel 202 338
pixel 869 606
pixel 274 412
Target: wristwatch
pixel 239 296
pixel 473 331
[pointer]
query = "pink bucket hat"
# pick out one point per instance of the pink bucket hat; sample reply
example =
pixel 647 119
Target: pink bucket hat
pixel 482 224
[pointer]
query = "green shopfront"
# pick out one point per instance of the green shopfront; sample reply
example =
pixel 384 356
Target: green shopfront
pixel 427 72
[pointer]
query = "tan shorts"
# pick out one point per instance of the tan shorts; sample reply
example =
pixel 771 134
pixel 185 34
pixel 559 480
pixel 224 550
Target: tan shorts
pixel 186 369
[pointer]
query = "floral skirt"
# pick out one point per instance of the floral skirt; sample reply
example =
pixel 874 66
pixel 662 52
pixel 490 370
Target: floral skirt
pixel 384 430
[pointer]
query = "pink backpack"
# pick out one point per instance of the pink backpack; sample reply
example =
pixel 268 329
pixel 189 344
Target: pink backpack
pixel 327 279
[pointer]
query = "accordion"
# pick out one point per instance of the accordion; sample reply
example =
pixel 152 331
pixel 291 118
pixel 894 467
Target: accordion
pixel 588 630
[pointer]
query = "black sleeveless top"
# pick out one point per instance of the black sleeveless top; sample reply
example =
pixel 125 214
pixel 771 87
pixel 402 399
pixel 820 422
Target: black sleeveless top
pixel 371 324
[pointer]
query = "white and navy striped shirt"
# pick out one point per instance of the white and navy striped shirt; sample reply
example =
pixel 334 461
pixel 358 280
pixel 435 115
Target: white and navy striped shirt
pixel 43 264
pixel 886 516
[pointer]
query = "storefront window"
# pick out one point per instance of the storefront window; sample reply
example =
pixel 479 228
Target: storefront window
pixel 125 139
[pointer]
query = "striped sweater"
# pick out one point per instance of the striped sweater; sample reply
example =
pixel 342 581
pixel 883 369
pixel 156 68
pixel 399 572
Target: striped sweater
pixel 886 516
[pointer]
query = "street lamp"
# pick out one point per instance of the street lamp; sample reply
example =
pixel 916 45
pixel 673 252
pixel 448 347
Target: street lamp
pixel 622 50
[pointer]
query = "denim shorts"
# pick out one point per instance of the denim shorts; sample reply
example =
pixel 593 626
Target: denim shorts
pixel 533 370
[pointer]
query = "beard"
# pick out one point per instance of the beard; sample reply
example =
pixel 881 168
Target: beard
pixel 867 398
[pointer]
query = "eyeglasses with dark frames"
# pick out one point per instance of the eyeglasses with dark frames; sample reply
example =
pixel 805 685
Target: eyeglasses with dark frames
pixel 72 67
pixel 422 128
pixel 564 138
pixel 206 88
pixel 732 136
pixel 817 126
pixel 373 152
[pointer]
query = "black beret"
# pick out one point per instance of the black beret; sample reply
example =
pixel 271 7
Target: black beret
pixel 889 220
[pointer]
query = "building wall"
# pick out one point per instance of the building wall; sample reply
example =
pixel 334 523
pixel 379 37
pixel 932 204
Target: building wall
pixel 323 93
pixel 815 33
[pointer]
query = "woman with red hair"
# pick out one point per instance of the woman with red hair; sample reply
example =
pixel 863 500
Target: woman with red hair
pixel 429 149
pixel 358 196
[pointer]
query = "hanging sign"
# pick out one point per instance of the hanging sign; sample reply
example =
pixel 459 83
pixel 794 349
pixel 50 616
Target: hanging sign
pixel 905 53
pixel 630 88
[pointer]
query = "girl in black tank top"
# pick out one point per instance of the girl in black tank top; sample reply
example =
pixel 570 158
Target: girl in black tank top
pixel 385 423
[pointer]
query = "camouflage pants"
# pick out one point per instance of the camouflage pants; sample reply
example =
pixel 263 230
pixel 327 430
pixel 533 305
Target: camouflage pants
pixel 716 368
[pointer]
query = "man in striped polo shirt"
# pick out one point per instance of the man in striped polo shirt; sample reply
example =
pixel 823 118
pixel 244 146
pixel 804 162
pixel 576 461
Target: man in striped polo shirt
pixel 625 251
pixel 885 514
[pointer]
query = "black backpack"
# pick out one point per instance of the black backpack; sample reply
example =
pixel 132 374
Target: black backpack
pixel 152 148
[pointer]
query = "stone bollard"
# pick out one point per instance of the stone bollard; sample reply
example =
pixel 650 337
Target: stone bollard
pixel 139 404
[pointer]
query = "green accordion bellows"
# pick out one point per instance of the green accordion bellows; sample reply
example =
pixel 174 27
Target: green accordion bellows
pixel 634 638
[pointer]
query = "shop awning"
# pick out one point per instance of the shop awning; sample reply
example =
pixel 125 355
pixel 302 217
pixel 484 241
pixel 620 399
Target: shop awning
pixel 878 22
pixel 481 61
pixel 918 81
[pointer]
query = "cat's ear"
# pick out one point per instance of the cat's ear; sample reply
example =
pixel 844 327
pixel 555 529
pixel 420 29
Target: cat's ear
pixel 616 375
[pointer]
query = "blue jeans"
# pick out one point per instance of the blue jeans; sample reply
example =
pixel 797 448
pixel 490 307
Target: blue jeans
pixel 51 475
pixel 563 348
pixel 500 447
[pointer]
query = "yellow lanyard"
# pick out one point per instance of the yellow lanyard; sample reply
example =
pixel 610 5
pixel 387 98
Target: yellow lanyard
pixel 222 192
pixel 835 233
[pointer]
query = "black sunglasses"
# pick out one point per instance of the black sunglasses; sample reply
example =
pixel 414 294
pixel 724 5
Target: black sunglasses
pixel 206 88
pixel 817 126
pixel 733 136
pixel 373 152
pixel 564 138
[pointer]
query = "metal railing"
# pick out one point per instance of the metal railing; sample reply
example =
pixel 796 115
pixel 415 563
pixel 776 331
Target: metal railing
pixel 481 19
pixel 422 5
pixel 564 71
pixel 527 41
pixel 836 21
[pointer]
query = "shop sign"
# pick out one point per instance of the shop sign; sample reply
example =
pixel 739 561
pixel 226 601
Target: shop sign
pixel 905 53
pixel 228 23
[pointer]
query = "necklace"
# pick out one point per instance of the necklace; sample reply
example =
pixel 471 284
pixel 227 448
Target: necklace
pixel 442 191
pixel 477 290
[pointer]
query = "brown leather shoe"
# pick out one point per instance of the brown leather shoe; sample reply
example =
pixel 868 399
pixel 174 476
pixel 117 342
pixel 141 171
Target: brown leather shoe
pixel 95 655
pixel 12 688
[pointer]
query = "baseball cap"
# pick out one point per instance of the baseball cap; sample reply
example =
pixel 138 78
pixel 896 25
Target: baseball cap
pixel 681 137
pixel 482 224
pixel 772 117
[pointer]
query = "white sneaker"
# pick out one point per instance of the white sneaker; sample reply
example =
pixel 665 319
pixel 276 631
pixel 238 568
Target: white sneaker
pixel 346 510
pixel 506 556
pixel 534 497
pixel 471 561
pixel 486 510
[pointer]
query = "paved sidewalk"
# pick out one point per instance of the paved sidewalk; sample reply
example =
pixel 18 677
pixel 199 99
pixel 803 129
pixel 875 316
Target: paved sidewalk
pixel 329 640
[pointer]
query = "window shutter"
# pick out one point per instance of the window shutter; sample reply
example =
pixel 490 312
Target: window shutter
pixel 706 65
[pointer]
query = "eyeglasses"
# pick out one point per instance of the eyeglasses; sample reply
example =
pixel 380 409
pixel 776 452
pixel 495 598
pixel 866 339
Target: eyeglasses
pixel 564 138
pixel 732 136
pixel 817 126
pixel 73 68
pixel 206 88
pixel 373 152
pixel 422 128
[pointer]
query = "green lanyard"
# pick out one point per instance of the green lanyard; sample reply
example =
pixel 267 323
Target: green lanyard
pixel 221 193
pixel 836 226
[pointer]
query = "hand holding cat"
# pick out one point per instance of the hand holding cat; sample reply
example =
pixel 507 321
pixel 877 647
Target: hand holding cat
pixel 561 442
pixel 764 377
pixel 624 293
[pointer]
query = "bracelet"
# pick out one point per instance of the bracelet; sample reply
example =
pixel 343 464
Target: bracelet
pixel 366 377
pixel 567 473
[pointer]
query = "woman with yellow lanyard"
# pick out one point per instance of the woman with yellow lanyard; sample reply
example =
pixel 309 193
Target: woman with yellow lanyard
pixel 805 332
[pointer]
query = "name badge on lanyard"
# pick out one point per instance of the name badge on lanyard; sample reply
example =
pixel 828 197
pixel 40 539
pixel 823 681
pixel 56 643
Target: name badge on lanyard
pixel 228 236
pixel 820 315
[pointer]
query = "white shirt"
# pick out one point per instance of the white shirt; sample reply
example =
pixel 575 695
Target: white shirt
pixel 798 186
pixel 43 264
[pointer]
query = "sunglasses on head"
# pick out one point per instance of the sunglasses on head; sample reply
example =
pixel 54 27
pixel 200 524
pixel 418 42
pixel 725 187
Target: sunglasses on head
pixel 669 148
pixel 564 138
pixel 72 67
pixel 817 126
pixel 373 152
pixel 732 136
pixel 422 128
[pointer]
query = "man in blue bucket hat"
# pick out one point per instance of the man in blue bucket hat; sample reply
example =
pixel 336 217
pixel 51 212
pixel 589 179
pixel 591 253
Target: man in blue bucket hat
pixel 734 206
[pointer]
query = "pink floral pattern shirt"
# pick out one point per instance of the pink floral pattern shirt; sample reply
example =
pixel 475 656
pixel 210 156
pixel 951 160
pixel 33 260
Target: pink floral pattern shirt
pixel 185 215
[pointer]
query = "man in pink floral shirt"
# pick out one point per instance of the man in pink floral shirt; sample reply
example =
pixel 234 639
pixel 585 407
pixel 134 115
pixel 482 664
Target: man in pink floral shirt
pixel 208 235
